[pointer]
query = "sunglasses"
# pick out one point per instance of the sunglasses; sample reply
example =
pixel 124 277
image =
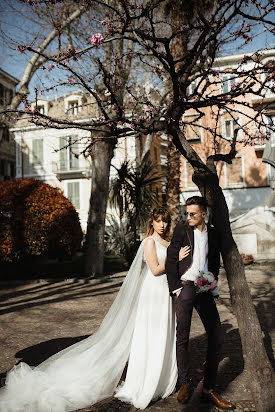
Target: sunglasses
pixel 192 214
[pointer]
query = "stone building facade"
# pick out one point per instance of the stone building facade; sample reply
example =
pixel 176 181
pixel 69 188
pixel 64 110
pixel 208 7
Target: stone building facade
pixel 247 182
pixel 51 154
pixel 7 144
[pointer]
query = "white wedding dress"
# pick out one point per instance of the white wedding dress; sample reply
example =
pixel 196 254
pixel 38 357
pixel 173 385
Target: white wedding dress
pixel 138 328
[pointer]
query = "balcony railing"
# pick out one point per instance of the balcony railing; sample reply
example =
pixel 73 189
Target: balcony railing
pixel 53 169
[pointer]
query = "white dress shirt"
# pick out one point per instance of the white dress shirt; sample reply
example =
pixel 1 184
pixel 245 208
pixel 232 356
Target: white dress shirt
pixel 200 255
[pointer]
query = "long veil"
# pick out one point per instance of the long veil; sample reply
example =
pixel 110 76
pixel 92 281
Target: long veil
pixel 85 372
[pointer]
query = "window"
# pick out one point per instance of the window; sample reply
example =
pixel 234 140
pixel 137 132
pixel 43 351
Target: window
pixel 227 82
pixel 8 96
pixel 68 158
pixel 260 139
pixel 8 171
pixel 6 135
pixel 191 88
pixel 41 109
pixel 269 84
pixel 2 91
pixel 73 193
pixel 270 122
pixel 73 108
pixel 234 173
pixel 12 164
pixel 37 152
pixel 2 167
pixel 188 171
pixel 228 126
pixel 192 128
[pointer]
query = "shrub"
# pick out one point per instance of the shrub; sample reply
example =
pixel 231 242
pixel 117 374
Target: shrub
pixel 42 223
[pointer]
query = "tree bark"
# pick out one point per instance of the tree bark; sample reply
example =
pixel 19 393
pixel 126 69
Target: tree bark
pixel 173 183
pixel 94 244
pixel 257 365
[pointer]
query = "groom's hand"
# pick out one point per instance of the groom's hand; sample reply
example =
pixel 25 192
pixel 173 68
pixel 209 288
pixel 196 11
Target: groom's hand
pixel 178 293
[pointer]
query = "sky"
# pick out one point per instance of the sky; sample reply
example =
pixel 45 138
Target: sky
pixel 13 26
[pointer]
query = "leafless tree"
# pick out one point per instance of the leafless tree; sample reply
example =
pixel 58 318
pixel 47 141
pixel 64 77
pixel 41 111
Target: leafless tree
pixel 141 37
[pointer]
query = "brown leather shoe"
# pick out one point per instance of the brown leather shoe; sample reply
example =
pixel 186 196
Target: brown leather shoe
pixel 217 400
pixel 184 393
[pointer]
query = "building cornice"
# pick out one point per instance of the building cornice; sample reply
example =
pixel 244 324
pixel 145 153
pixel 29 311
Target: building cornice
pixel 33 127
pixel 9 76
pixel 235 58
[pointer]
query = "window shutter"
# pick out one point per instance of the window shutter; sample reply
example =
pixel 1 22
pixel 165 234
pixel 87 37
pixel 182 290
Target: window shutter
pixel 73 194
pixel 37 152
pixel 227 84
pixel 74 161
pixel 62 153
pixel 235 172
pixel 192 131
pixel 228 124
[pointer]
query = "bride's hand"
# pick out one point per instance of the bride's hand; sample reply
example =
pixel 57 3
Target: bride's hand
pixel 184 252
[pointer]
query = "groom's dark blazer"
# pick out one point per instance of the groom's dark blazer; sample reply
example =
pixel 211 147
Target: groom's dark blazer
pixel 184 236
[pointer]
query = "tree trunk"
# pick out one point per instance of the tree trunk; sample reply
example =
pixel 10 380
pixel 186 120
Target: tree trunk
pixel 257 365
pixel 94 244
pixel 173 183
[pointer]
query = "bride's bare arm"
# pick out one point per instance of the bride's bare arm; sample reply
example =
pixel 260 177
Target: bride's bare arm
pixel 152 259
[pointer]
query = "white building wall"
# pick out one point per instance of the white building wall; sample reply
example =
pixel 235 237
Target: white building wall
pixel 49 171
pixel 238 200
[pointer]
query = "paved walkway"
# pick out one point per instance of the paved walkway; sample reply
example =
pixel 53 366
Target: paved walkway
pixel 41 318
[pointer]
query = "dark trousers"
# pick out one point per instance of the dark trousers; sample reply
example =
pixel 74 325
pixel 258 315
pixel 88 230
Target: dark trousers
pixel 205 305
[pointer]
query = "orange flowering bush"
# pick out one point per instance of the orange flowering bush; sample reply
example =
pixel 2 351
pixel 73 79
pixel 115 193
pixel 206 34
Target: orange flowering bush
pixel 42 221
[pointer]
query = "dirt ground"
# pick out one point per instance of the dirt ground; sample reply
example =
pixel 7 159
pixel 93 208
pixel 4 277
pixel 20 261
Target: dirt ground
pixel 40 318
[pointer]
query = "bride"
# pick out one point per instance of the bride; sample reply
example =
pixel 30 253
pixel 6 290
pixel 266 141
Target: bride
pixel 138 328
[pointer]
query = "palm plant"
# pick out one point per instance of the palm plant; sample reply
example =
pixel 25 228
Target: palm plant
pixel 118 196
pixel 143 193
pixel 115 245
pixel 133 192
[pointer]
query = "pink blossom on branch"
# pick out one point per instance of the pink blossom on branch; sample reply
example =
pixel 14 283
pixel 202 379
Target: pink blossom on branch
pixel 184 27
pixel 215 73
pixel 21 48
pixel 97 39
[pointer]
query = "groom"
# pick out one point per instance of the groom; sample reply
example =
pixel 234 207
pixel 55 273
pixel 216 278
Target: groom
pixel 203 255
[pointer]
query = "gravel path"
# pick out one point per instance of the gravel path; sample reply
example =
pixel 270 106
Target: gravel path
pixel 39 319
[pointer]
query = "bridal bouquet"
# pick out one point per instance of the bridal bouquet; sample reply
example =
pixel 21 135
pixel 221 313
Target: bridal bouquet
pixel 205 281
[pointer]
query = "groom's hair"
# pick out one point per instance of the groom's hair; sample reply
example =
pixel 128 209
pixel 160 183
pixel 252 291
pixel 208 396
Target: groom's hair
pixel 197 200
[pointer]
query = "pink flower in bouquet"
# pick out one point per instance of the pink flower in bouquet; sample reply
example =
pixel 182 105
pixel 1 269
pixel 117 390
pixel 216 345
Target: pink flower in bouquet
pixel 199 282
pixel 213 284
pixel 204 281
